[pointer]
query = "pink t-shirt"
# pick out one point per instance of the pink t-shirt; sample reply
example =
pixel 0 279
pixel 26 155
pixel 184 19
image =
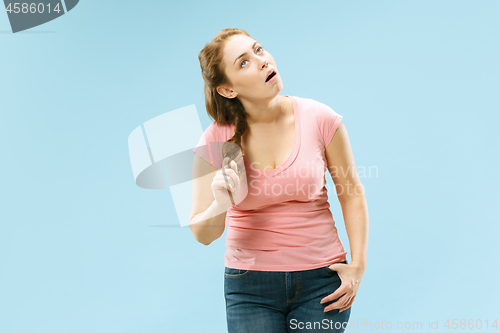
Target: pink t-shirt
pixel 284 223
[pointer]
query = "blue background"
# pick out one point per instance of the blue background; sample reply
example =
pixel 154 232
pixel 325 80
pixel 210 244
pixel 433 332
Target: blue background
pixel 84 249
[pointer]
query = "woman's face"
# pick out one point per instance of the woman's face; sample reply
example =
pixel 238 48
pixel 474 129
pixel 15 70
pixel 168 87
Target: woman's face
pixel 245 66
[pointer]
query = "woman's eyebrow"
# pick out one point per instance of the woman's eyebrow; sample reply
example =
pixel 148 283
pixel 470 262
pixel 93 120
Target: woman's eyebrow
pixel 243 54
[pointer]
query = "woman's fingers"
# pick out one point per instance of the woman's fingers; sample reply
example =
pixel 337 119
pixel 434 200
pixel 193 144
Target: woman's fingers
pixel 223 184
pixel 230 187
pixel 228 177
pixel 349 303
pixel 225 179
pixel 340 292
pixel 339 304
pixel 350 277
pixel 231 175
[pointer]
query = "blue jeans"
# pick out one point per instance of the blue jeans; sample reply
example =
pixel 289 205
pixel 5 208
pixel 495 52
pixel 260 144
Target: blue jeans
pixel 282 302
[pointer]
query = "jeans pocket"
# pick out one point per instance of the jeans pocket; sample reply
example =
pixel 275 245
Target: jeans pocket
pixel 331 271
pixel 235 273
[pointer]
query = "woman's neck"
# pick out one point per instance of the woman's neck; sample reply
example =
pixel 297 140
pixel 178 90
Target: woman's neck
pixel 264 113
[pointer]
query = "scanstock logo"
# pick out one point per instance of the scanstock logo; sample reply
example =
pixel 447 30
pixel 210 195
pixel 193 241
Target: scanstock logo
pixel 26 15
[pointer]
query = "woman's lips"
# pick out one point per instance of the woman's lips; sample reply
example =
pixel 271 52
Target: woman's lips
pixel 274 78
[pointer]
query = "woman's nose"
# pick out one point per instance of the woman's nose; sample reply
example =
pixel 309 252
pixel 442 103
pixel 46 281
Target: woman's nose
pixel 265 64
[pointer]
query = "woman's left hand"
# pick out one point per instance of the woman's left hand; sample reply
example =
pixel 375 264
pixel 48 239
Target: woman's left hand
pixel 351 276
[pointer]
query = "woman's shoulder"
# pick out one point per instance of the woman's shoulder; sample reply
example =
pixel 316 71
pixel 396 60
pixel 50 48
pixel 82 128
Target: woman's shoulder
pixel 305 102
pixel 314 107
pixel 317 106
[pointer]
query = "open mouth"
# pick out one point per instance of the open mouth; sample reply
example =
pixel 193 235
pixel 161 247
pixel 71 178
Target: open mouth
pixel 270 76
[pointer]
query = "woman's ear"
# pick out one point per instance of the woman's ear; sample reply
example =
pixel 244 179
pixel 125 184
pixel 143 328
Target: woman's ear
pixel 226 92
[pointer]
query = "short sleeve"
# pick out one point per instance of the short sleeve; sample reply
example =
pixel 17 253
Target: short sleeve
pixel 209 146
pixel 328 121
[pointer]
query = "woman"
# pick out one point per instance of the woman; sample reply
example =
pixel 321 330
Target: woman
pixel 285 267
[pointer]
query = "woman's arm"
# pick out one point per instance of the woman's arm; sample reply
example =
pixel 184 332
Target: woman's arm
pixel 340 163
pixel 207 219
pixel 350 192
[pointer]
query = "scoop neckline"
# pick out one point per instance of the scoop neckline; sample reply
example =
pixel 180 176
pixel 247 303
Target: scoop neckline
pixel 293 154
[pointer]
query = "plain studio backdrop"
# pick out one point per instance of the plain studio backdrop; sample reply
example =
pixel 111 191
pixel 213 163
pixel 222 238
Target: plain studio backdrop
pixel 84 249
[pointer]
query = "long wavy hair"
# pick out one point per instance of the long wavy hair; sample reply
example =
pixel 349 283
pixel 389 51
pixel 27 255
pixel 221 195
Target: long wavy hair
pixel 224 111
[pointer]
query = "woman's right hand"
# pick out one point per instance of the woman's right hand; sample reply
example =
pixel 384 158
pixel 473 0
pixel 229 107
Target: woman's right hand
pixel 221 184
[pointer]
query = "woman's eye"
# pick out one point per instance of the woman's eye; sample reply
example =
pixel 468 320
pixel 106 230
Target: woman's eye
pixel 241 64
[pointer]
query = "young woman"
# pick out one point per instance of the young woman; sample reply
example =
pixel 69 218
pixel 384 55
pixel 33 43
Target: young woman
pixel 285 267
